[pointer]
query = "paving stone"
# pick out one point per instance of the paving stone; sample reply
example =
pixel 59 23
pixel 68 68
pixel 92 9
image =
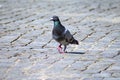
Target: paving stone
pixel 114 68
pixel 116 74
pixel 111 79
pixel 96 67
pixel 103 75
pixel 92 78
pixel 109 53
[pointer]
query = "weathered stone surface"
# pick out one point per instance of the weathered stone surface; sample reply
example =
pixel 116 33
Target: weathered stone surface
pixel 27 51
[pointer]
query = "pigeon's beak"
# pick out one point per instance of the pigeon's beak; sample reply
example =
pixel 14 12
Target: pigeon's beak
pixel 51 19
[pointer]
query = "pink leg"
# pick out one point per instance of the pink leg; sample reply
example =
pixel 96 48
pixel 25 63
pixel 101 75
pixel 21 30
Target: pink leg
pixel 60 49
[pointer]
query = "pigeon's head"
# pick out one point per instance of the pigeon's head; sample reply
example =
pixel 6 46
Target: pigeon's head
pixel 54 18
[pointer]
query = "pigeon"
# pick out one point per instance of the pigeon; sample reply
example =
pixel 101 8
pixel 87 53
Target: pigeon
pixel 62 35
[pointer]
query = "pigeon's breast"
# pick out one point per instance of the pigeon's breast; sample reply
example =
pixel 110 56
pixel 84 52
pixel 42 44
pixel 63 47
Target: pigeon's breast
pixel 57 34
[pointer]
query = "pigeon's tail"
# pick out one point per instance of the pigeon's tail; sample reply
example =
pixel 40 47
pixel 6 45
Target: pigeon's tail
pixel 74 42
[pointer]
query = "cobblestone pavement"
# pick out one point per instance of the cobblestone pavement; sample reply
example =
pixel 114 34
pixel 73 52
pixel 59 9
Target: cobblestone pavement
pixel 27 51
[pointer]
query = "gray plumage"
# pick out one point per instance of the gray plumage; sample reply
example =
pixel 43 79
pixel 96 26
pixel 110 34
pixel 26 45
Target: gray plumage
pixel 61 34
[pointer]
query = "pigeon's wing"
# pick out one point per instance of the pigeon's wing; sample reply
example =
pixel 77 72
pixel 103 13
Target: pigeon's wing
pixel 68 36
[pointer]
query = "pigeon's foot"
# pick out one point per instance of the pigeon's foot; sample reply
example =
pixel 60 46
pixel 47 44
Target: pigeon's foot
pixel 60 50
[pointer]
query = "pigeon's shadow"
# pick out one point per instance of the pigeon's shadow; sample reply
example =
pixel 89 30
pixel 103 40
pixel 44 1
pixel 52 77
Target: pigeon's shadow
pixel 76 52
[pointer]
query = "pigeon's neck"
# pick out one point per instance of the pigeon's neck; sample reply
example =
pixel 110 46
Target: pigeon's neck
pixel 56 23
